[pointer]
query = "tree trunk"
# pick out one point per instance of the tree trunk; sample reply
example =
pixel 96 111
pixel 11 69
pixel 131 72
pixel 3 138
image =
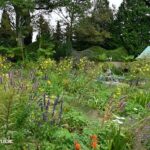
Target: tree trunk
pixel 23 28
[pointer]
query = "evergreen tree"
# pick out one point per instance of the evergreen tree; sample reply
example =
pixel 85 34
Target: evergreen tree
pixel 95 29
pixel 63 45
pixel 44 29
pixel 103 18
pixel 133 25
pixel 23 9
pixel 58 37
pixel 45 39
pixel 74 10
pixel 7 35
pixel 23 21
pixel 68 33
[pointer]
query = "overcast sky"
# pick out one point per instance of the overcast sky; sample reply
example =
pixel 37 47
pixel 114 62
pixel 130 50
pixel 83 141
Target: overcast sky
pixel 54 17
pixel 115 2
pixel 112 2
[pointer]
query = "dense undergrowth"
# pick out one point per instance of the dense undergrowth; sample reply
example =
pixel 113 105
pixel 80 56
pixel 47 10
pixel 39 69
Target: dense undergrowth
pixel 98 53
pixel 49 105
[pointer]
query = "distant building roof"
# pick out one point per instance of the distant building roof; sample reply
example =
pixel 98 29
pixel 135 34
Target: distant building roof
pixel 145 54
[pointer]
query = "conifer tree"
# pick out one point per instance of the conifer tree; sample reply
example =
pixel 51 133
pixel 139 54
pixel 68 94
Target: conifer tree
pixel 133 22
pixel 44 29
pixel 74 9
pixel 7 35
pixel 95 29
pixel 58 37
pixel 44 38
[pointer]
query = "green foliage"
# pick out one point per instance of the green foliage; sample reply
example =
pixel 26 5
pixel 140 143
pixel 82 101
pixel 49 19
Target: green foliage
pixel 75 10
pixel 86 24
pixel 75 120
pixel 7 35
pixel 63 50
pixel 46 46
pixel 97 53
pixel 58 36
pixel 31 51
pixel 50 105
pixel 94 30
pixel 34 118
pixel 4 50
pixel 133 37
pixel 102 57
pixel 46 52
pixel 86 34
pixel 44 29
pixel 14 53
pixel 141 97
pixel 128 58
pixel 7 104
pixel 116 138
pixel 139 71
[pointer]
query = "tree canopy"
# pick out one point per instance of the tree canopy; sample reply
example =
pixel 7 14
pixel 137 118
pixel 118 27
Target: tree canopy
pixel 82 24
pixel 133 21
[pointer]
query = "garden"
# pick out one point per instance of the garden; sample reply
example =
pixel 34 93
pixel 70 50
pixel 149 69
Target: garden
pixel 51 105
pixel 74 75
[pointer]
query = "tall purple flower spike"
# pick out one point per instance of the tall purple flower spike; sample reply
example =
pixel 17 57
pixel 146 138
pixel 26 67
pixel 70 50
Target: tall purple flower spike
pixel 45 118
pixel 61 111
pixel 45 77
pixel 55 104
pixel 44 105
pixel 44 99
pixel 1 80
pixel 48 104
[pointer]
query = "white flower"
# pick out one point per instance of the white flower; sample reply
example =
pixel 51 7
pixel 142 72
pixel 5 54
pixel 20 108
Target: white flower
pixel 122 118
pixel 119 118
pixel 135 109
pixel 118 121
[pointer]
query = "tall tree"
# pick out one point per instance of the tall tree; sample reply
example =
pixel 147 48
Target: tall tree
pixel 7 35
pixel 95 28
pixel 58 36
pixel 45 38
pixel 23 25
pixel 102 17
pixel 133 25
pixel 63 45
pixel 45 34
pixel 23 10
pixel 74 9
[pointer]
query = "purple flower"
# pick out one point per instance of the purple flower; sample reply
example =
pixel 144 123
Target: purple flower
pixel 1 80
pixel 61 110
pixel 48 104
pixel 55 104
pixel 44 99
pixel 45 118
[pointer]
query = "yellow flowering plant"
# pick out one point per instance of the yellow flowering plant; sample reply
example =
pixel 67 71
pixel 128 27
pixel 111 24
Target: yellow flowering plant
pixel 139 71
pixel 46 64
pixel 65 65
pixel 4 64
